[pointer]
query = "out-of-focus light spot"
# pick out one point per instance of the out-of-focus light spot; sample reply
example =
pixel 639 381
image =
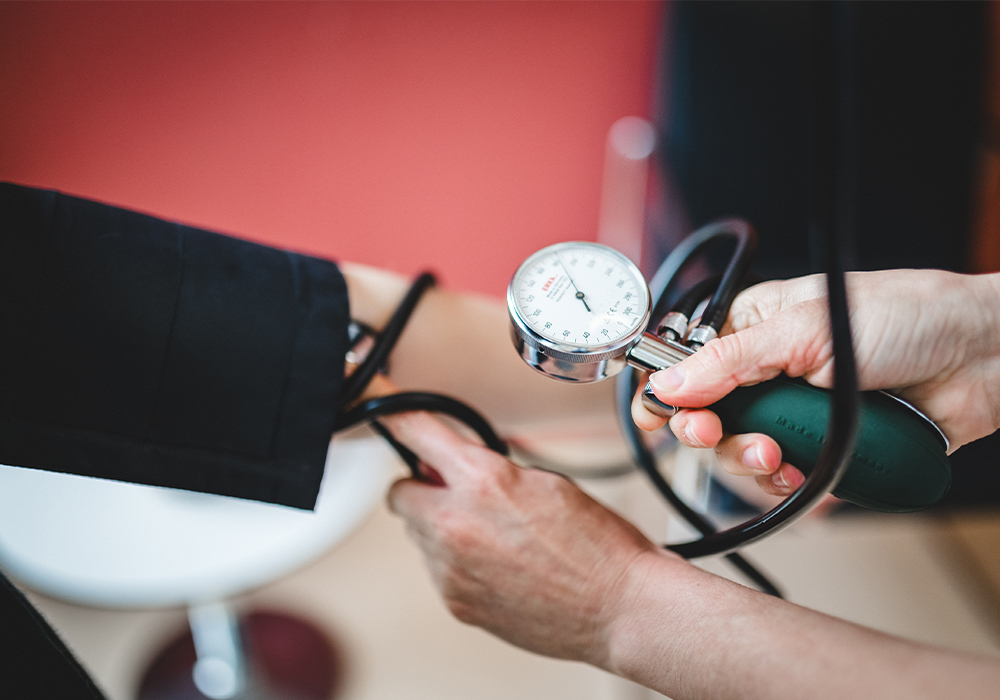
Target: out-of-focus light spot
pixel 633 137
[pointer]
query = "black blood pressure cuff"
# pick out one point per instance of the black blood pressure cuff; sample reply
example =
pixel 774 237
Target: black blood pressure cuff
pixel 142 350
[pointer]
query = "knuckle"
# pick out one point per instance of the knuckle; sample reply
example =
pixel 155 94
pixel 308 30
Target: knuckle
pixel 722 353
pixel 558 488
pixel 810 343
pixel 486 485
pixel 457 534
pixel 494 478
pixel 449 526
pixel 753 305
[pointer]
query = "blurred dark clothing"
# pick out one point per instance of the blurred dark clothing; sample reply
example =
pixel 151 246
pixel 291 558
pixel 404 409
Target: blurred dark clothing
pixel 146 351
pixel 34 661
pixel 734 117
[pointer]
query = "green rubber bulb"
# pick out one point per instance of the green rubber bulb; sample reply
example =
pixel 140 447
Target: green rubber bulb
pixel 899 463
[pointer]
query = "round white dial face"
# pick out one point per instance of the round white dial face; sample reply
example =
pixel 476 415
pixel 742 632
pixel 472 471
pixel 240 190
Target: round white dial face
pixel 581 294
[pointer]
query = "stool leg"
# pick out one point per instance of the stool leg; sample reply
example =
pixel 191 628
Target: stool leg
pixel 260 655
pixel 219 671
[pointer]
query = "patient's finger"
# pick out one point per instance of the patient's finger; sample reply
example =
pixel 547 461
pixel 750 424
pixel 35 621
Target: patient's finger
pixel 452 455
pixel 415 501
pixel 449 454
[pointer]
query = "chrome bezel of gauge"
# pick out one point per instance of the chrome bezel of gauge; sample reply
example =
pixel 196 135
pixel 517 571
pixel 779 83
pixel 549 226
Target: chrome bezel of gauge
pixel 571 352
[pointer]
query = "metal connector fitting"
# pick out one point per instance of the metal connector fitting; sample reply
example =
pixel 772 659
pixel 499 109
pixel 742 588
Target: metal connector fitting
pixel 701 335
pixel 651 354
pixel 674 326
pixel 654 405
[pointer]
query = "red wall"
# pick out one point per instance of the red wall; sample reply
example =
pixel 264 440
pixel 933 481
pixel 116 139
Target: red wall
pixel 456 136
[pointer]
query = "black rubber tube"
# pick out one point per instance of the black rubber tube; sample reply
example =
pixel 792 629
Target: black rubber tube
pixel 386 341
pixel 739 265
pixel 405 453
pixel 422 401
pixel 647 464
pixel 832 215
pixel 688 302
pixel 662 285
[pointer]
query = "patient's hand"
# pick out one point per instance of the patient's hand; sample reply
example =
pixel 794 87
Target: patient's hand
pixel 523 554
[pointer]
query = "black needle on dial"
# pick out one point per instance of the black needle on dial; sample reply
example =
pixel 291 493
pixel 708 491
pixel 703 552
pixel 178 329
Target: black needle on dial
pixel 579 295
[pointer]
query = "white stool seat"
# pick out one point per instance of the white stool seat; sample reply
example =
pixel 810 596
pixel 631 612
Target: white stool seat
pixel 113 544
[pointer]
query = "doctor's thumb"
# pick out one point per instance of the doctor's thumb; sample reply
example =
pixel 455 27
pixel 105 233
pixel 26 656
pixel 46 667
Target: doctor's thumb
pixel 746 357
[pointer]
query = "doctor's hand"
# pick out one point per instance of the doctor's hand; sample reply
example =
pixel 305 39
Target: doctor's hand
pixel 521 553
pixel 931 337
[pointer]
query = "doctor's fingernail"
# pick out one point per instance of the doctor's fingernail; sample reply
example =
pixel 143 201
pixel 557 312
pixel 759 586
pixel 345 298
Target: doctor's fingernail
pixel 668 379
pixel 787 478
pixel 778 479
pixel 753 458
pixel 691 437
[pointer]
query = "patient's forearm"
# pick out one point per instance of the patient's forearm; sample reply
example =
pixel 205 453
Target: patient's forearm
pixel 459 344
pixel 689 634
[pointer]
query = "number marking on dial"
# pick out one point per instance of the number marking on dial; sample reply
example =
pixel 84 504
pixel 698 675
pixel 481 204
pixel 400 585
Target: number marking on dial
pixel 572 294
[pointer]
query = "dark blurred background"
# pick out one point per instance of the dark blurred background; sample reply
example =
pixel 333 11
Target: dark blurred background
pixel 733 114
